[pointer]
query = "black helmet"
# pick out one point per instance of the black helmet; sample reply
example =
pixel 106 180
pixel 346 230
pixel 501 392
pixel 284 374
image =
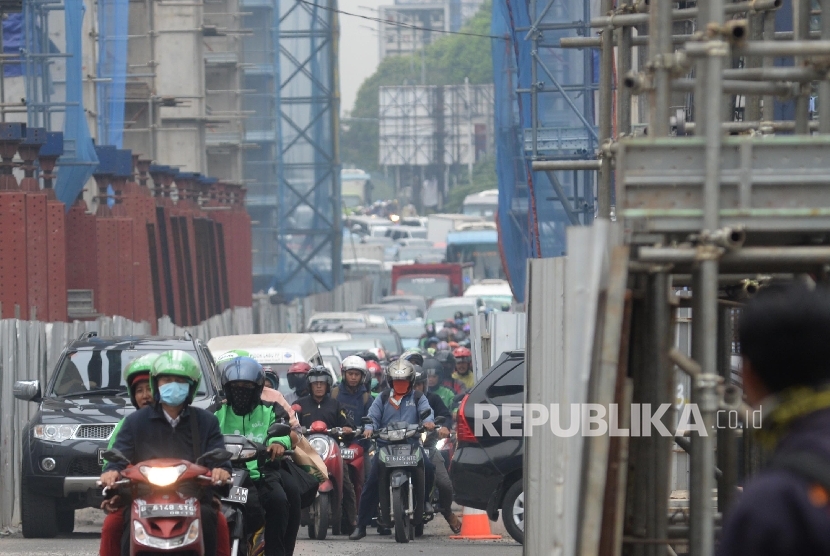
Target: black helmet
pixel 320 374
pixel 272 377
pixel 413 356
pixel 242 380
pixel 432 366
pixel 420 375
pixel 368 356
pixel 447 360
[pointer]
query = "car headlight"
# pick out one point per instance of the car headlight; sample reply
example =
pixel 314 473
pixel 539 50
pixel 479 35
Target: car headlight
pixel 321 446
pixel 55 433
pixel 162 476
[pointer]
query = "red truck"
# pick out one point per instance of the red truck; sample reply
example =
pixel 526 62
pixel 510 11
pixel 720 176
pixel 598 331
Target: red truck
pixel 432 281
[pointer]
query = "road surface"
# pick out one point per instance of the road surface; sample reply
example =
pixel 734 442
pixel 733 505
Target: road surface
pixel 84 542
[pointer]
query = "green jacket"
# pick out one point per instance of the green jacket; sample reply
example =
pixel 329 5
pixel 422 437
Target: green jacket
pixel 112 438
pixel 447 396
pixel 253 426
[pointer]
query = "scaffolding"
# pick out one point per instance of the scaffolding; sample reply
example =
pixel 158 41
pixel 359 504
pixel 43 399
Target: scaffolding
pixel 727 189
pixel 301 225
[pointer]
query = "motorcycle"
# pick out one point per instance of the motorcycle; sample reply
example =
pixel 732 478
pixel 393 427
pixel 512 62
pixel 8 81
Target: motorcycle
pixel 401 477
pixel 353 454
pixel 327 507
pixel 165 494
pixel 242 451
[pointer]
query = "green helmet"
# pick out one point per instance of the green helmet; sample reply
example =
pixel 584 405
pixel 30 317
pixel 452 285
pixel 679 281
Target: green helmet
pixel 139 366
pixel 176 363
pixel 233 354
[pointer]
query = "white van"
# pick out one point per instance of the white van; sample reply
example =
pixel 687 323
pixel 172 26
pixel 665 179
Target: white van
pixel 277 351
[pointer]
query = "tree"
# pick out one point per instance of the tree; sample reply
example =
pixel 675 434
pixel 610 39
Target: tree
pixel 448 61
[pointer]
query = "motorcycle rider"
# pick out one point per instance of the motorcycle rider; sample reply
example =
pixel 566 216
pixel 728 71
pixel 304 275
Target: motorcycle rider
pixel 320 406
pixel 447 360
pixel 168 429
pixel 433 369
pixel 463 375
pixel 376 380
pixel 244 413
pixel 400 403
pixel 297 381
pixel 442 478
pixel 352 392
pixel 429 332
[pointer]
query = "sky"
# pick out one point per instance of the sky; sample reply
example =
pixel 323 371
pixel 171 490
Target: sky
pixel 358 47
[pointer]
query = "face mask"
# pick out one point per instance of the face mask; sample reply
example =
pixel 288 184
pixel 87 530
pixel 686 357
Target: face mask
pixel 174 393
pixel 401 387
pixel 374 383
pixel 241 399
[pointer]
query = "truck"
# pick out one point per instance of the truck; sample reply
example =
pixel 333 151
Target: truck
pixel 439 225
pixel 356 187
pixel 432 281
pixel 478 247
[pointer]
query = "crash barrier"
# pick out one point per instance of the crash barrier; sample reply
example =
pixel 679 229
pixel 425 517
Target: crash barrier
pixel 29 350
pixel 475 525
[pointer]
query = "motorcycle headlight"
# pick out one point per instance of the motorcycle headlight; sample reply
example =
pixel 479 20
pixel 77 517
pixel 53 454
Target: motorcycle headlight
pixel 238 452
pixel 441 444
pixel 55 433
pixel 394 435
pixel 162 476
pixel 321 446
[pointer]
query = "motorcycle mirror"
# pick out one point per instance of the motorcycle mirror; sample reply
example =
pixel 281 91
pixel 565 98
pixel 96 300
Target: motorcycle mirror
pixel 366 420
pixel 296 408
pixel 425 413
pixel 214 457
pixel 115 456
pixel 278 429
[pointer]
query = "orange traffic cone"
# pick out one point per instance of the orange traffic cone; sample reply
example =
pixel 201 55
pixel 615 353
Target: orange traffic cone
pixel 475 525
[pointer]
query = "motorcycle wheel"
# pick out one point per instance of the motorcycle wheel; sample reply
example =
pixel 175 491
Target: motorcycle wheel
pixel 402 521
pixel 318 527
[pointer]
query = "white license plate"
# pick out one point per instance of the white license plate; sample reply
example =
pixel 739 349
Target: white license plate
pixel 401 461
pixel 347 454
pixel 166 510
pixel 237 494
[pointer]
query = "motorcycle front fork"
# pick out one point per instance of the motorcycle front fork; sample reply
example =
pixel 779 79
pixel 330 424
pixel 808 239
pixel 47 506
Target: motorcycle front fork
pixel 411 508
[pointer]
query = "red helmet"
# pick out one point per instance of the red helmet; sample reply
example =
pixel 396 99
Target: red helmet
pixel 462 355
pixel 374 367
pixel 300 367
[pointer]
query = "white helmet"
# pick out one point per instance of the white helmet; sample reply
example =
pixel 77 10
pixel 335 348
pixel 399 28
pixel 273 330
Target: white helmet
pixel 354 363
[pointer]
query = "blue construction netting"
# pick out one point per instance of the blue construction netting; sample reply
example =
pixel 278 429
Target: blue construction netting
pixel 531 219
pixel 113 20
pixel 12 43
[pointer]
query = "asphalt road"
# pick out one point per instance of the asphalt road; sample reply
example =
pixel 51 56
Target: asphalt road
pixel 84 542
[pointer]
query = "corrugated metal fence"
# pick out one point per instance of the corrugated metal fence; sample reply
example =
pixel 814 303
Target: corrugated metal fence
pixel 29 350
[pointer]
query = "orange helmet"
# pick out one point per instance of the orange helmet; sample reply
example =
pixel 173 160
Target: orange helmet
pixel 462 355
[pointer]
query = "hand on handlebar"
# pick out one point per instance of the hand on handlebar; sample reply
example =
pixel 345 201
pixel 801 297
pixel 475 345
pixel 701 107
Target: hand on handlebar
pixel 367 433
pixel 443 432
pixel 275 450
pixel 429 425
pixel 109 478
pixel 220 476
pixel 347 430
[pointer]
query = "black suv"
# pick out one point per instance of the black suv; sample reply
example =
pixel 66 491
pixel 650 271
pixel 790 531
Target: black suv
pixel 85 397
pixel 487 470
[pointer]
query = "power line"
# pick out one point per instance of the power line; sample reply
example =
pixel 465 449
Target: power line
pixel 404 25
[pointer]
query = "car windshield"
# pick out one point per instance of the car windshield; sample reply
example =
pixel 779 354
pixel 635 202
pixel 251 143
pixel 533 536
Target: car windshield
pixel 440 314
pixel 354 346
pixel 99 371
pixel 390 343
pixel 426 286
pixel 408 330
pixel 393 312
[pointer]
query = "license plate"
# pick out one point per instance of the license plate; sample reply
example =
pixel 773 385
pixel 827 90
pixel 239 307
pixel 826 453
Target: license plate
pixel 237 494
pixel 347 454
pixel 395 461
pixel 101 456
pixel 166 510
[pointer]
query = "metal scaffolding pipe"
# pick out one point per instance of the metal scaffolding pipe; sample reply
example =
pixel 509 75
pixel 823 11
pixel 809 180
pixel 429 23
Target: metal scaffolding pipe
pixel 765 48
pixel 746 255
pixel 824 86
pixel 775 74
pixel 729 127
pixel 660 50
pixel 642 40
pixel 733 87
pixel 681 14
pixel 606 78
pixel 556 165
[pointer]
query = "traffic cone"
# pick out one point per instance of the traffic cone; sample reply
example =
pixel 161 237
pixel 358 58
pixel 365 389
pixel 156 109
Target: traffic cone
pixel 475 525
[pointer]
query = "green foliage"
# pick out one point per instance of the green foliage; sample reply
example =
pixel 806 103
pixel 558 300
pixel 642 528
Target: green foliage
pixel 484 177
pixel 448 61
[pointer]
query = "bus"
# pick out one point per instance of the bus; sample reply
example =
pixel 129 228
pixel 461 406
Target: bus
pixel 479 247
pixel 356 188
pixel 483 204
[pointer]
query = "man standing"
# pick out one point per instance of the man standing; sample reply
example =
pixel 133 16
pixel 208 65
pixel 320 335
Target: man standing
pixel 784 510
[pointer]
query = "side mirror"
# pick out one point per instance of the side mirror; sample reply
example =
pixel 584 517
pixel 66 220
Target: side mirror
pixel 366 420
pixel 115 456
pixel 425 413
pixel 296 408
pixel 27 390
pixel 278 429
pixel 214 457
